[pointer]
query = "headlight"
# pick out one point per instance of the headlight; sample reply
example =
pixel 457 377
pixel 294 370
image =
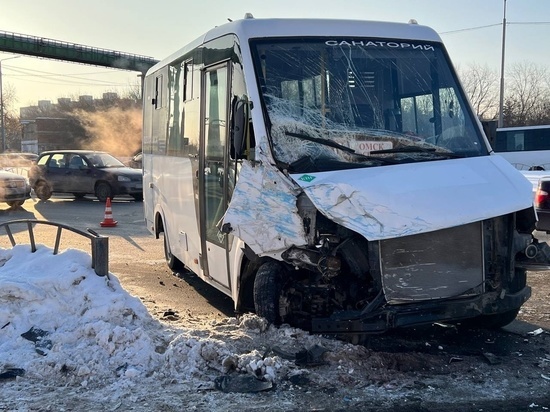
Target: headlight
pixel 124 179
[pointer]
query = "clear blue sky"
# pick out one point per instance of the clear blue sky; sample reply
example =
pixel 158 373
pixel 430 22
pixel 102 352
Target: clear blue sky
pixel 157 29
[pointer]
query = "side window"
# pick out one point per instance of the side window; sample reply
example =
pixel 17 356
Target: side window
pixel 176 77
pixel 191 109
pixel 182 89
pixel 57 160
pixel 76 162
pixel 43 160
pixel 188 70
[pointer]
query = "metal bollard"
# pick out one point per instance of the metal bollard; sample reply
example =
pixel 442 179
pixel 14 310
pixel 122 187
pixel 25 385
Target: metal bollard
pixel 100 254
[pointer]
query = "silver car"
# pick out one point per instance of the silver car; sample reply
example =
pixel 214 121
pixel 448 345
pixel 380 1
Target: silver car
pixel 14 188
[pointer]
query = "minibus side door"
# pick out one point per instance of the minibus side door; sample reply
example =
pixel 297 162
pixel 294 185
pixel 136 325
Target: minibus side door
pixel 213 172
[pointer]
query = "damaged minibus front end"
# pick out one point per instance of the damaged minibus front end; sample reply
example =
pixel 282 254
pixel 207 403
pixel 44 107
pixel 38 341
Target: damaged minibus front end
pixel 374 200
pixel 334 258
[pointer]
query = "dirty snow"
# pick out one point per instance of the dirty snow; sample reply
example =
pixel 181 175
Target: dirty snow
pixel 89 345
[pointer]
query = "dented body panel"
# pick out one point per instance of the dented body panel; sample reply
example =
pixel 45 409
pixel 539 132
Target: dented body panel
pixel 379 203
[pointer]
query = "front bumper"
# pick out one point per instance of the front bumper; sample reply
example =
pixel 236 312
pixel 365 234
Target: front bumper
pixel 129 188
pixel 15 195
pixel 397 316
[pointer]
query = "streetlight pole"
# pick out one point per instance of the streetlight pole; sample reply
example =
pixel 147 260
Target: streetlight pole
pixel 2 105
pixel 501 105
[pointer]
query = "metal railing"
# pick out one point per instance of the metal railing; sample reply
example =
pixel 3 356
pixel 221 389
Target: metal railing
pixel 99 244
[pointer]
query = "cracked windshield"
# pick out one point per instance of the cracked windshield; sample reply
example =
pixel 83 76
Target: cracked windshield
pixel 343 103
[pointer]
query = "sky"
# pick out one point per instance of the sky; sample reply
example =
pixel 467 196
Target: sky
pixel 471 30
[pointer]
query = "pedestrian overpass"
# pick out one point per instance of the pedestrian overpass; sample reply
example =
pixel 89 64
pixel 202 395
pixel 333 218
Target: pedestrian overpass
pixel 71 52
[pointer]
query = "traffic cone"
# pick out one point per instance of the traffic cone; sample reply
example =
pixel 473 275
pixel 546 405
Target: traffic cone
pixel 108 219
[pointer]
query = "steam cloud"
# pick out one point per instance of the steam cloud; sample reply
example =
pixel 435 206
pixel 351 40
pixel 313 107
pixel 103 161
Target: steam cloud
pixel 115 130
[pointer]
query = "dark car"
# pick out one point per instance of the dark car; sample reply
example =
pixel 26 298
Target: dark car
pixel 542 204
pixel 83 172
pixel 14 188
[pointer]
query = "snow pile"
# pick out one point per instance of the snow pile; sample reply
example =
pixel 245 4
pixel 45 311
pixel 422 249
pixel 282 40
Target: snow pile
pixel 60 320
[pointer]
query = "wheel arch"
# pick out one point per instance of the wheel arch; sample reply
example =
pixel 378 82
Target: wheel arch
pixel 244 287
pixel 158 223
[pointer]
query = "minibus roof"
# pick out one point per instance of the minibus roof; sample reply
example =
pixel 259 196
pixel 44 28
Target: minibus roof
pixel 249 28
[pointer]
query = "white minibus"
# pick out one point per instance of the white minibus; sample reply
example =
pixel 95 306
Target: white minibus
pixel 331 174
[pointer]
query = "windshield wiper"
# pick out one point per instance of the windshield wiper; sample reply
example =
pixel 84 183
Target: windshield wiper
pixel 325 142
pixel 347 149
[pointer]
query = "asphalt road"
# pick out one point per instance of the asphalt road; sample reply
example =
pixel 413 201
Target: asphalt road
pixel 136 258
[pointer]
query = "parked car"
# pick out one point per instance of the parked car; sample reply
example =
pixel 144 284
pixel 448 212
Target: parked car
pixel 16 159
pixel 14 188
pixel 83 172
pixel 136 161
pixel 542 204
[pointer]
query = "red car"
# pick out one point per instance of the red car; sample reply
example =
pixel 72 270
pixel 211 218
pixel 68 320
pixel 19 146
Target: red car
pixel 542 204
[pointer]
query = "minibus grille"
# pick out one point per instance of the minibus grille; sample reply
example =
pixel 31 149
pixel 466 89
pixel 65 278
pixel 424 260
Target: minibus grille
pixel 436 265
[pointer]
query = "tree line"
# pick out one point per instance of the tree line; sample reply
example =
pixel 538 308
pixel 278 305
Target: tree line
pixel 526 103
pixel 526 93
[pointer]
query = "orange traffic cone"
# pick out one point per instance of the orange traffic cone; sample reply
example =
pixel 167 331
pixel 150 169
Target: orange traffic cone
pixel 108 219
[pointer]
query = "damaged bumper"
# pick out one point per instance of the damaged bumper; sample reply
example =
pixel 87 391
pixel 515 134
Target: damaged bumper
pixel 397 316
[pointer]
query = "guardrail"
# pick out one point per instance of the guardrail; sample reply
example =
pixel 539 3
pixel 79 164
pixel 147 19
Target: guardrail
pixel 99 244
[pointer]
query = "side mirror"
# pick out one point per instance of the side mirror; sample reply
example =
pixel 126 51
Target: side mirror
pixel 239 126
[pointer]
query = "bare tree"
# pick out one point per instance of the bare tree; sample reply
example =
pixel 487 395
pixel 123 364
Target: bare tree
pixel 12 128
pixel 481 86
pixel 527 95
pixel 132 92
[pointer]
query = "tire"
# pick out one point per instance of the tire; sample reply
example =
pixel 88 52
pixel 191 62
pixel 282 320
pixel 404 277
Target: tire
pixel 173 262
pixel 14 204
pixel 267 291
pixel 103 191
pixel 43 190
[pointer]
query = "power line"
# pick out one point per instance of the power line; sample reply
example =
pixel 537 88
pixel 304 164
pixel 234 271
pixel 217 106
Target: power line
pixel 470 28
pixel 530 22
pixel 496 24
pixel 42 75
pixel 69 83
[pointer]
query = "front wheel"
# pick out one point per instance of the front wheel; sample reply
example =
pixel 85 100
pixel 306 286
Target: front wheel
pixel 14 204
pixel 267 291
pixel 103 191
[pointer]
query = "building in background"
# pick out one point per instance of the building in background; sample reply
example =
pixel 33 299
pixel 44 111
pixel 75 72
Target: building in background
pixel 50 133
pixel 50 126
